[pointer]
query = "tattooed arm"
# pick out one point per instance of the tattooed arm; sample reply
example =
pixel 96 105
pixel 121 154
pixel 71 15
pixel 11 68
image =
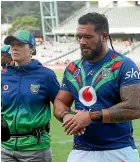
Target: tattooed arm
pixel 128 109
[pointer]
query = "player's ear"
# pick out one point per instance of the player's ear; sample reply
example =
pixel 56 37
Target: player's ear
pixel 104 36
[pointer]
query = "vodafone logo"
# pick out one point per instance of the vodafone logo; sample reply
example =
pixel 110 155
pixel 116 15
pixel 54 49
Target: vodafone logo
pixel 87 96
pixel 5 87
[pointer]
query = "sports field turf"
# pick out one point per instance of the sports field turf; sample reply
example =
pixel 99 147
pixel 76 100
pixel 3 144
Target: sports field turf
pixel 62 144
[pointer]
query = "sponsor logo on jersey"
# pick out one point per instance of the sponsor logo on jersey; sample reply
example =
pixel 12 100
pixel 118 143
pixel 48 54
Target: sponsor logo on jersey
pixel 34 88
pixel 91 72
pixel 5 87
pixel 132 74
pixel 87 96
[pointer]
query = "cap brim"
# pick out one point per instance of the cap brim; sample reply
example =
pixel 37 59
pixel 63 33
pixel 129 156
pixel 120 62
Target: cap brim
pixel 9 39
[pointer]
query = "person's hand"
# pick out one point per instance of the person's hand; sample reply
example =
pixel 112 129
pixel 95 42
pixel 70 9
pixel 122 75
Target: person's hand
pixel 67 118
pixel 80 132
pixel 79 121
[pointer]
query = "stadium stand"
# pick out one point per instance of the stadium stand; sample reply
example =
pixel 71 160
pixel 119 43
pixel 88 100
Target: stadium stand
pixel 123 21
pixel 125 17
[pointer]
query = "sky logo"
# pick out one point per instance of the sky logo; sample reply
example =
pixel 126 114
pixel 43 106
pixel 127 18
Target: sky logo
pixel 132 74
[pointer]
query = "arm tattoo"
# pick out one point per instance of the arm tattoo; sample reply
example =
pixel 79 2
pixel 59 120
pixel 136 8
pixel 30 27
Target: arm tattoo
pixel 129 108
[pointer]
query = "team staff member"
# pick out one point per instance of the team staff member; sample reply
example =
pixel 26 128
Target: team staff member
pixel 27 90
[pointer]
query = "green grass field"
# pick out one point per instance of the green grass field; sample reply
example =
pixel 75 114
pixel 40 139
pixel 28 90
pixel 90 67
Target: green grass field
pixel 61 144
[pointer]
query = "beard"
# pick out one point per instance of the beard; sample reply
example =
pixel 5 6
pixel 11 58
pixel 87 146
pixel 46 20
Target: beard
pixel 94 54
